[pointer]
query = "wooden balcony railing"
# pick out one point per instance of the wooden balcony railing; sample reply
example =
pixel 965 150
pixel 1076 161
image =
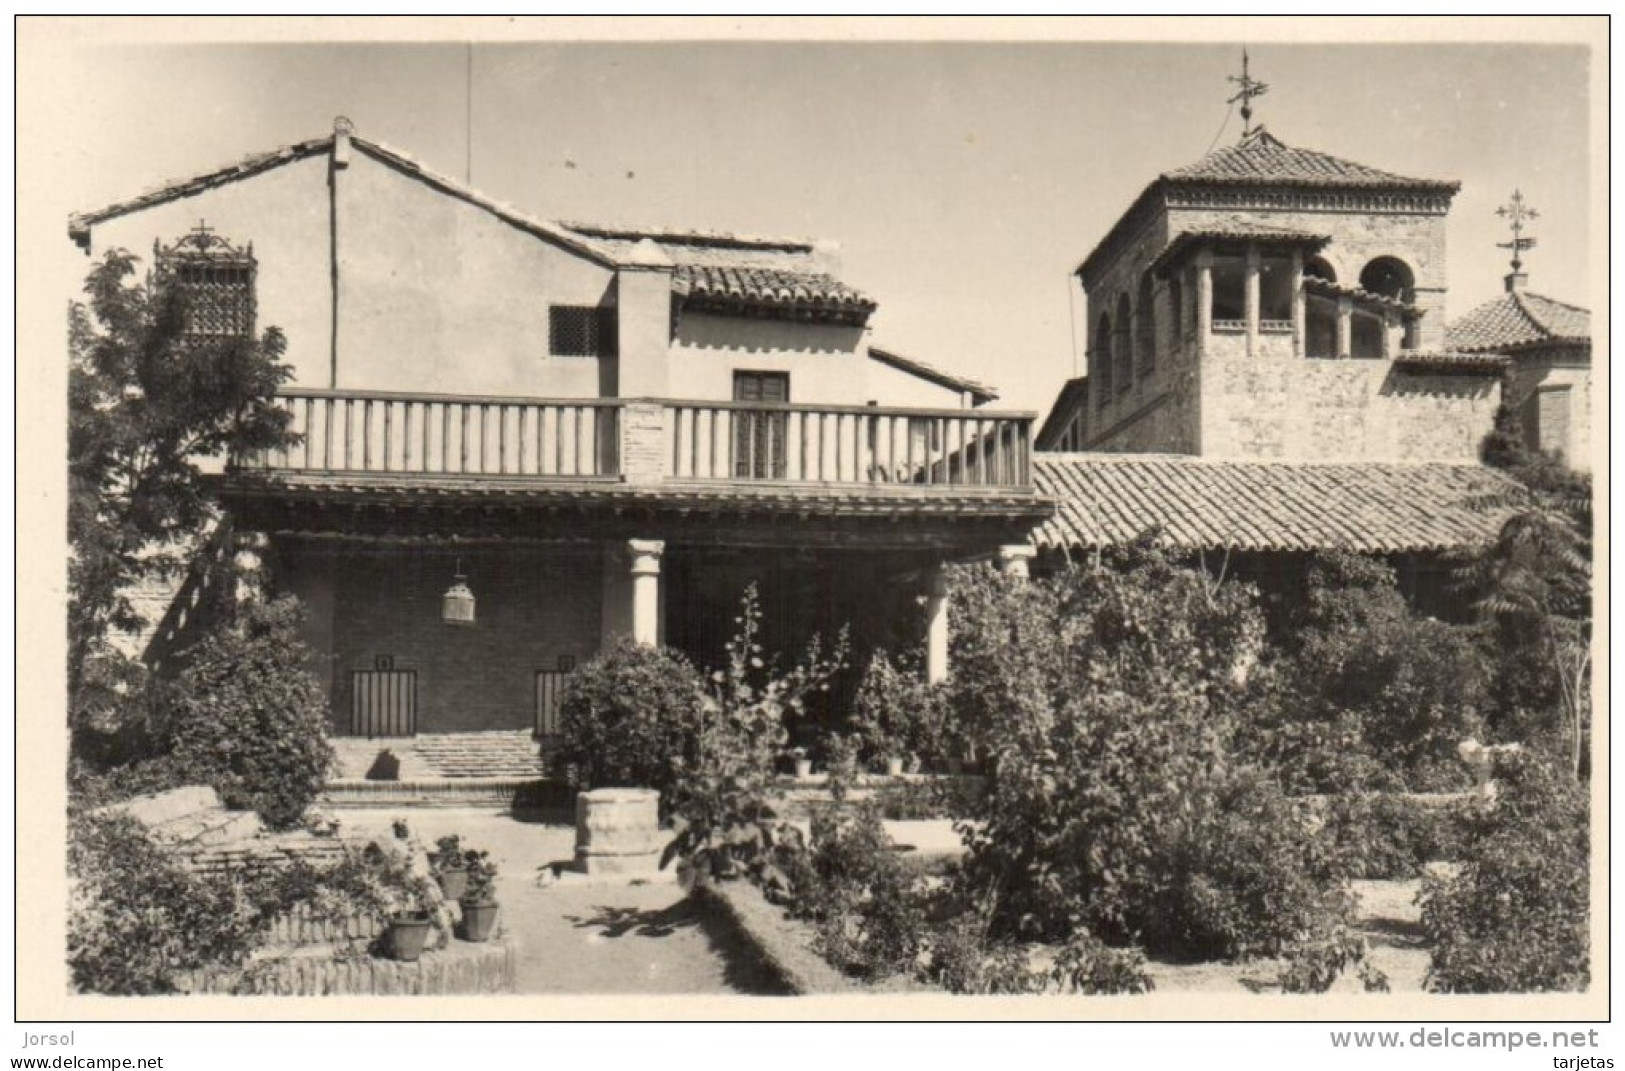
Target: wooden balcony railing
pixel 349 431
pixel 848 444
pixel 383 431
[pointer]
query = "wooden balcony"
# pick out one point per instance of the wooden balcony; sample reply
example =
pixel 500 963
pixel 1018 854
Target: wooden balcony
pixel 680 442
pixel 865 445
pixel 453 435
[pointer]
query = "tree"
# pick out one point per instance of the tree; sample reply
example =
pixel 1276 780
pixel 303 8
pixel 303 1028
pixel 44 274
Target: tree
pixel 145 402
pixel 1532 585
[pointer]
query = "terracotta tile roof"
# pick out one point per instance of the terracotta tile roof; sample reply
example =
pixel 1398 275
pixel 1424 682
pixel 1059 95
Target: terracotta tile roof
pixel 1237 228
pixel 1258 160
pixel 413 489
pixel 1518 319
pixel 1261 157
pixel 768 288
pixel 1211 504
pixel 1449 361
pixel 980 393
pixel 1331 289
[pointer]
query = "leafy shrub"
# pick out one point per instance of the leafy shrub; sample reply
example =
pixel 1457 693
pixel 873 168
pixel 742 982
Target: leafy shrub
pixel 964 957
pixel 630 717
pixel 1115 808
pixel 1313 964
pixel 1389 836
pixel 1237 872
pixel 1412 685
pixel 726 825
pixel 1516 918
pixel 899 715
pixel 850 882
pixel 1087 965
pixel 139 921
pixel 246 717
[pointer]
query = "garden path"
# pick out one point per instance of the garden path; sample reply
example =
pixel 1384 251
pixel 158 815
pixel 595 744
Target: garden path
pixel 585 939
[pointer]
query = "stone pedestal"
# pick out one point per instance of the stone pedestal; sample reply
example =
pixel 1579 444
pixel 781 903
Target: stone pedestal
pixel 618 831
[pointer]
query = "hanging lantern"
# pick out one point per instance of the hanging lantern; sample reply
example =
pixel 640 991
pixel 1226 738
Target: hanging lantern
pixel 457 605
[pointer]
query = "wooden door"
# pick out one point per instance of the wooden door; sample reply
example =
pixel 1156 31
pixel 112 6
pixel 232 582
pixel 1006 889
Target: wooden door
pixel 759 436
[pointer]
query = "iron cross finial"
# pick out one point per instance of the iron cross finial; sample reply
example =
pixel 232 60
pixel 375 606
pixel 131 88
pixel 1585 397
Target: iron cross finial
pixel 1517 212
pixel 1249 88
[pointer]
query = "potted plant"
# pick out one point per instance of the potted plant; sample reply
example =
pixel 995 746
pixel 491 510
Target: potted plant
pixel 448 865
pixel 479 901
pixel 894 765
pixel 803 764
pixel 406 899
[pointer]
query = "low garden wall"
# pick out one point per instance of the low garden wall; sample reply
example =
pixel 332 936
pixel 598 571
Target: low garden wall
pixel 459 969
pixel 783 945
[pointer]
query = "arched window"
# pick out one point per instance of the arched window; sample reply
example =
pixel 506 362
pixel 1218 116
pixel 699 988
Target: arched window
pixel 1122 355
pixel 1103 360
pixel 1389 277
pixel 1317 268
pixel 1145 329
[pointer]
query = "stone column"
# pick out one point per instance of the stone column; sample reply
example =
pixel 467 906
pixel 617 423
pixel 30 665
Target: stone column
pixel 1204 300
pixel 1345 327
pixel 1014 560
pixel 644 556
pixel 1300 308
pixel 1251 298
pixel 936 625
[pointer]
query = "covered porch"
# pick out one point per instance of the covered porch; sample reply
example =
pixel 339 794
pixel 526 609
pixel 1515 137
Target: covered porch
pixel 557 574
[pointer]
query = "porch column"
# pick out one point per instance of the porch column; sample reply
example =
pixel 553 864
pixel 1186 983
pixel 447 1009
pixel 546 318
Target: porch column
pixel 1014 560
pixel 644 556
pixel 936 625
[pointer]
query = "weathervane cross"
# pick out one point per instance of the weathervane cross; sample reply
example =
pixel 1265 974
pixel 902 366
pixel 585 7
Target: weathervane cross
pixel 1517 212
pixel 1248 89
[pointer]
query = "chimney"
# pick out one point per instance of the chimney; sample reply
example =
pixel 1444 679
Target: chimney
pixel 643 297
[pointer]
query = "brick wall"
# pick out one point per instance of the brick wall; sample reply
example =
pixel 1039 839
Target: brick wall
pixel 643 442
pixel 1341 410
pixel 534 605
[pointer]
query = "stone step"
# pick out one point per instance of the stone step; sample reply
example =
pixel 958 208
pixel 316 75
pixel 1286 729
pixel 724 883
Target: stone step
pixel 496 792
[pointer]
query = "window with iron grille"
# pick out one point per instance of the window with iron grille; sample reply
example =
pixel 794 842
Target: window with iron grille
pixel 213 280
pixel 581 331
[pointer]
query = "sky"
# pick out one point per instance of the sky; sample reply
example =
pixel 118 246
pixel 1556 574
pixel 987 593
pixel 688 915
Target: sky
pixel 963 180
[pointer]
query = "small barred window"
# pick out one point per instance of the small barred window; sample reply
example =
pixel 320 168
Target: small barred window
pixel 581 331
pixel 213 280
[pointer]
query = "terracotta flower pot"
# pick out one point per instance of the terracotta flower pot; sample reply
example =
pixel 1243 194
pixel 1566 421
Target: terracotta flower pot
pixel 478 920
pixel 803 768
pixel 407 935
pixel 894 767
pixel 453 883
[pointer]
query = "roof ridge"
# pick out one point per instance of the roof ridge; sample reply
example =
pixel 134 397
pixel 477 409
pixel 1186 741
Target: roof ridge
pixel 697 236
pixel 1540 325
pixel 887 355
